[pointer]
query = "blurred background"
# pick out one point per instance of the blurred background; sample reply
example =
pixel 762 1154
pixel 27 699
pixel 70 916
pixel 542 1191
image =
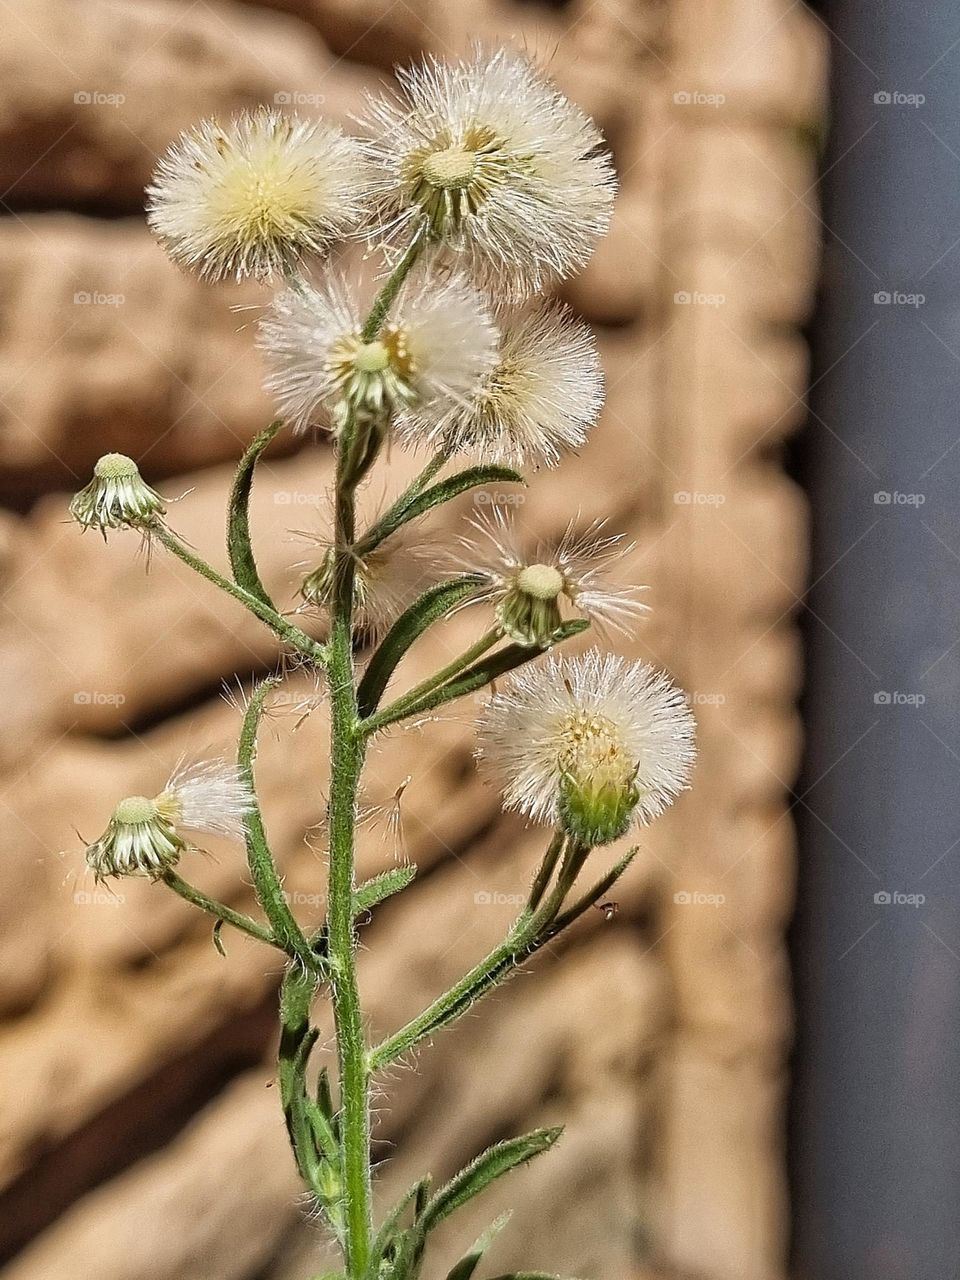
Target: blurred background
pixel 730 1115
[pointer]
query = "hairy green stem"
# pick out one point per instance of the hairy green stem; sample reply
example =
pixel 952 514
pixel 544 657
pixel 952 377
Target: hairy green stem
pixel 291 635
pixel 393 516
pixel 346 755
pixel 218 909
pixel 528 929
pixel 394 283
pixel 412 701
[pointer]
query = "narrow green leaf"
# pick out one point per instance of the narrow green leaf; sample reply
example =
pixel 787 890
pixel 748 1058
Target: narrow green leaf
pixel 593 895
pixel 411 505
pixel 527 1275
pixel 391 1233
pixel 381 887
pixel 239 547
pixel 488 669
pixel 217 940
pixel 478 1175
pixel 423 613
pixel 470 1261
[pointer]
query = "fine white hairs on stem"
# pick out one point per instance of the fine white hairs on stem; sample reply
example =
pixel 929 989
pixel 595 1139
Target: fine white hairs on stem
pixel 251 197
pixel 526 589
pixel 541 397
pixel 592 743
pixel 502 169
pixel 434 351
pixel 144 836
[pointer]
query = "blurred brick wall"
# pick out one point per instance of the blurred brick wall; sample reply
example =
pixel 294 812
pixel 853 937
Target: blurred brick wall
pixel 143 1141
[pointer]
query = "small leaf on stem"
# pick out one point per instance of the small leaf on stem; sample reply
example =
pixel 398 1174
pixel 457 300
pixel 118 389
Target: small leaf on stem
pixel 423 613
pixel 239 547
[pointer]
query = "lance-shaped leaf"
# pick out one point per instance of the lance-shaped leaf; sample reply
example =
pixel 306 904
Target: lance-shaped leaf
pixel 592 896
pixel 379 888
pixel 480 1173
pixel 527 1275
pixel 239 547
pixel 470 1261
pixel 392 1238
pixel 414 503
pixel 423 613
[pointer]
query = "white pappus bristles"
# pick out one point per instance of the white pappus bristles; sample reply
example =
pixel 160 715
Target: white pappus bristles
pixel 492 160
pixel 436 348
pixel 526 589
pixel 591 743
pixel 386 580
pixel 251 197
pixel 144 836
pixel 541 397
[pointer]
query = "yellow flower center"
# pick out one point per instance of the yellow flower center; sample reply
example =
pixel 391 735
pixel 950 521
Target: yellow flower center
pixel 115 466
pixel 372 357
pixel 453 167
pixel 135 810
pixel 593 750
pixel 542 581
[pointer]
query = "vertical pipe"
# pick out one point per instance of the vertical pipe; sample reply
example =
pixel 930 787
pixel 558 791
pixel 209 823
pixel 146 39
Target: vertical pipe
pixel 876 1152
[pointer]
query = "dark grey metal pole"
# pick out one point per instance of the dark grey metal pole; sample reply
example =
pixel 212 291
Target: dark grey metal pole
pixel 876 1123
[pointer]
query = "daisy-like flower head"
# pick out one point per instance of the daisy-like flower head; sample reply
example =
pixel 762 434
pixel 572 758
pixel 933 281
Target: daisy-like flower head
pixel 497 165
pixel 117 497
pixel 440 342
pixel 592 743
pixel 386 581
pixel 542 396
pixel 144 836
pixel 250 198
pixel 527 589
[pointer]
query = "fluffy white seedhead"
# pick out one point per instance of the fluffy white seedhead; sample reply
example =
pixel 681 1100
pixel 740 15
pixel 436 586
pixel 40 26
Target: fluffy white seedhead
pixel 434 351
pixel 144 836
pixel 541 397
pixel 251 197
pixel 592 743
pixel 528 589
pixel 491 160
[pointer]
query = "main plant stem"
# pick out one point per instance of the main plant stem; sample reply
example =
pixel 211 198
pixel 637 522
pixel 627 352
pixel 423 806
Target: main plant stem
pixel 346 755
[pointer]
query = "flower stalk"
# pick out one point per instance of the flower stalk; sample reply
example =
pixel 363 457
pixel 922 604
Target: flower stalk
pixel 481 188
